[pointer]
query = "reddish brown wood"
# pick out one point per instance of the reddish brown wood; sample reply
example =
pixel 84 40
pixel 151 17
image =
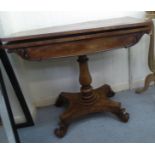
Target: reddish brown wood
pixel 76 37
pixel 79 47
pixel 79 40
pixel 87 94
pixel 87 101
pixel 79 28
pixel 76 109
pixel 80 31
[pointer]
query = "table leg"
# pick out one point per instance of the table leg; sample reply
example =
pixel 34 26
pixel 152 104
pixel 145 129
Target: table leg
pixel 87 101
pixel 151 63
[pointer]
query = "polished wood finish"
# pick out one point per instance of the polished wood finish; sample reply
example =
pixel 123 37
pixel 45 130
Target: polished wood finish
pixel 79 40
pixel 87 101
pixel 78 29
pixel 79 47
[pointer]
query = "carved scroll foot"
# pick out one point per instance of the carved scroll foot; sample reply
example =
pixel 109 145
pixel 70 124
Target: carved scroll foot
pixel 106 89
pixel 122 115
pixel 148 80
pixel 61 131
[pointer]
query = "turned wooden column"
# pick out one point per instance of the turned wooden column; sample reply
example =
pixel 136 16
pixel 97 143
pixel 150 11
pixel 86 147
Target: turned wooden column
pixel 88 96
pixel 87 101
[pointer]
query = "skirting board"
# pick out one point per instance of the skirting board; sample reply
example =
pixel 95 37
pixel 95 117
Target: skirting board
pixel 139 84
pixel 21 119
pixel 117 88
pixel 51 100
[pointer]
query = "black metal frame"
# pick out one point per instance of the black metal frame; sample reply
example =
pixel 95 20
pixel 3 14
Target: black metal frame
pixel 0 121
pixel 8 108
pixel 15 84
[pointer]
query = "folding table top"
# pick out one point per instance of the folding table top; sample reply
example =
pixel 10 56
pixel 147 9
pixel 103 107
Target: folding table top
pixel 78 28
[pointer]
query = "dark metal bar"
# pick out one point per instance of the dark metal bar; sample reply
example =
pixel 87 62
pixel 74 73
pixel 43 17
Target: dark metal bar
pixel 8 107
pixel 0 121
pixel 15 84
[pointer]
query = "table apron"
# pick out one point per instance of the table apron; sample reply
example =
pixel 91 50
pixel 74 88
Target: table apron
pixel 79 47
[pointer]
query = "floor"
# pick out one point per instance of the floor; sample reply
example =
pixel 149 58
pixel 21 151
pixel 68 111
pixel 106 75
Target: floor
pixel 101 128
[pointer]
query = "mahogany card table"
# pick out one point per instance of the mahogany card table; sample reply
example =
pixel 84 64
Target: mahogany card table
pixel 80 40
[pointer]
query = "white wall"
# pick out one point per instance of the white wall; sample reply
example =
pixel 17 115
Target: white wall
pixel 43 81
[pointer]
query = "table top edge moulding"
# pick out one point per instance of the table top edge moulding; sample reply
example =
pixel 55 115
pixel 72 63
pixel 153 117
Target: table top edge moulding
pixel 93 38
pixel 83 27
